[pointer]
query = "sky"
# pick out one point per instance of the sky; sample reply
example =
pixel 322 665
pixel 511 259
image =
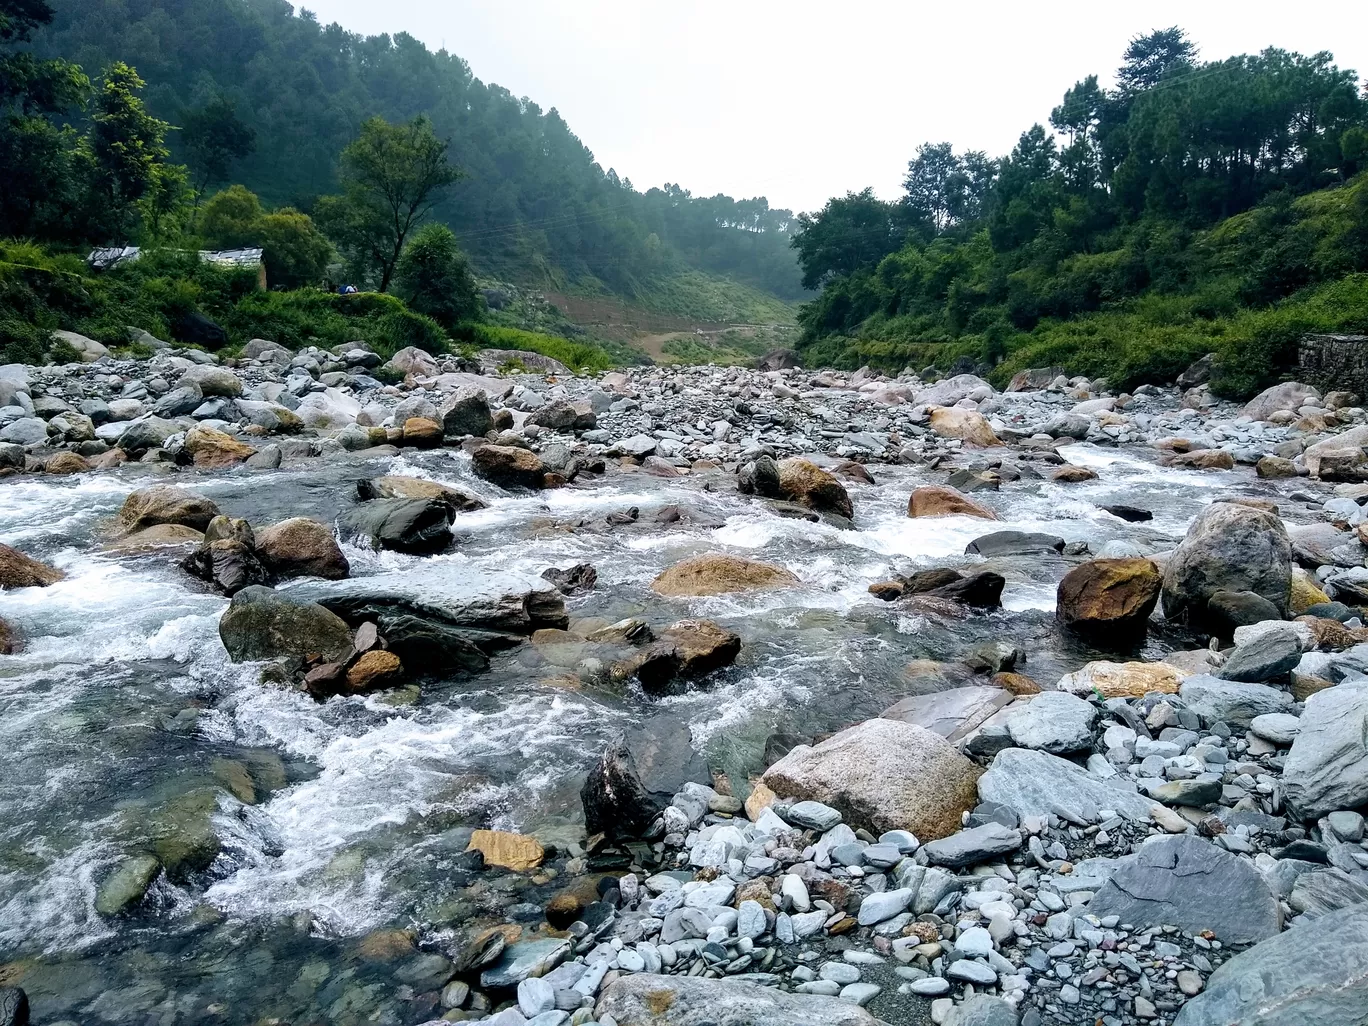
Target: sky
pixel 799 100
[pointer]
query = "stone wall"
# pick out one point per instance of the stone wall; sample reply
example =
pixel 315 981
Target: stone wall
pixel 1335 363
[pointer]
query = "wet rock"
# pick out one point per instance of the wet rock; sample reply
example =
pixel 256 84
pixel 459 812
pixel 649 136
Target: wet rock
pixel 939 500
pixel 525 960
pixel 1114 597
pixel 982 590
pixel 20 571
pixel 11 641
pixel 225 560
pixel 415 526
pixel 181 833
pixel 616 800
pixel 1275 467
pixel 518 852
pixel 759 477
pixel 508 466
pixel 884 775
pixel 264 624
pixel 375 670
pixel 804 482
pixel 576 580
pixel 165 504
pixel 717 573
pixel 1204 459
pixel 1327 768
pixel 301 547
pixel 421 433
pixel 644 999
pixel 1230 702
pixel 1036 783
pixel 1309 976
pixel 687 649
pixel 1229 547
pixel 126 885
pixel 1069 474
pixel 1130 514
pixel 395 486
pixel 1014 543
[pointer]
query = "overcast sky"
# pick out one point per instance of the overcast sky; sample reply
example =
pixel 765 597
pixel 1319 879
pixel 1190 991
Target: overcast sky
pixel 798 100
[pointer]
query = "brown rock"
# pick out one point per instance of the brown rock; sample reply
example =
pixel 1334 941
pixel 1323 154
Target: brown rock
pixel 397 486
pixel 1109 595
pixel 701 646
pixel 11 641
pixel 942 500
pixel 67 463
pixel 757 890
pixel 854 471
pixel 20 571
pixel 387 945
pixel 422 433
pixel 210 448
pixel 374 671
pixel 301 547
pixel 517 852
pixel 159 537
pixel 1272 467
pixel 1123 680
pixel 889 591
pixel 509 466
pixel 1071 474
pixel 968 425
pixel 882 775
pixel 760 799
pixel 804 482
pixel 1204 459
pixel 1017 683
pixel 1304 685
pixel 717 573
pixel 109 460
pixel 569 903
pixel 165 504
pixel 1331 635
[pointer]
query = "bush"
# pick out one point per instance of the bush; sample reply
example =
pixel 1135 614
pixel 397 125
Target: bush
pixel 296 253
pixel 580 357
pixel 434 278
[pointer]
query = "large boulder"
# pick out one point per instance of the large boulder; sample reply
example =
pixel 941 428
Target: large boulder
pixel 952 714
pixel 779 359
pixel 165 504
pixel 467 413
pixel 616 800
pixel 882 775
pixel 942 500
pixel 1289 396
pixel 211 449
pixel 953 389
pixel 211 380
pixel 563 415
pixel 1054 722
pixel 1229 547
pixel 20 571
pixel 716 573
pixel 145 433
pixel 1327 768
pixel 414 361
pixel 301 547
pixel 88 348
pixel 1190 883
pixel 415 526
pixel 759 477
pixel 1014 543
pixel 804 482
pixel 1037 783
pixel 1230 701
pixel 509 466
pixel 398 486
pixel 1269 655
pixel 1312 975
pixel 645 999
pixel 1122 680
pixel 227 558
pixel 264 624
pixel 1348 444
pixel 967 425
pixel 684 651
pixel 1109 596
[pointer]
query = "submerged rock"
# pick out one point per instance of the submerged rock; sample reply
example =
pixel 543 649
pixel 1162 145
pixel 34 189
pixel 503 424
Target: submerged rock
pixel 126 885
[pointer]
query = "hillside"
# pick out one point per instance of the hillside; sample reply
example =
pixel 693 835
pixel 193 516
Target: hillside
pixel 1195 208
pixel 533 206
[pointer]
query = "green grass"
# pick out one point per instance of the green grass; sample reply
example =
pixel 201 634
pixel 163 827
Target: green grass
pixel 581 357
pixel 699 296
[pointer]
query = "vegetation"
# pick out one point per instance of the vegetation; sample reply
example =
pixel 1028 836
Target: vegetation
pixel 1195 208
pixel 578 356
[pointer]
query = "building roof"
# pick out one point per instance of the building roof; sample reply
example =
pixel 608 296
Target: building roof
pixel 103 259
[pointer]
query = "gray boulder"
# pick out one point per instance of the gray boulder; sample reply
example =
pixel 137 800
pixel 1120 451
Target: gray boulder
pixel 1037 783
pixel 1231 701
pixel 1315 974
pixel 145 433
pixel 89 349
pixel 1321 890
pixel 1054 722
pixel 1014 543
pixel 644 999
pixel 1269 655
pixel 972 846
pixel 179 402
pixel 264 624
pixel 1190 883
pixel 1327 767
pixel 983 1010
pixel 467 413
pixel 211 380
pixel 416 526
pixel 1289 396
pixel 952 714
pixel 25 431
pixel 1229 547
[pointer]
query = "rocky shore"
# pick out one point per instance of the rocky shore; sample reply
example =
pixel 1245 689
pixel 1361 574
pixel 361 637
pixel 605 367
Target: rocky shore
pixel 1141 803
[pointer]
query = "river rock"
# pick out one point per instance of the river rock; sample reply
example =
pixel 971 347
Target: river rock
pixel 564 416
pixel 1229 701
pixel 264 624
pixel 525 960
pixel 518 852
pixel 1054 722
pixel 804 482
pixel 1269 655
pixel 467 413
pixel 1229 547
pixel 126 885
pixel 227 562
pixel 981 590
pixel 213 450
pixel 211 380
pixel 181 834
pixel 972 846
pixel 968 425
pixel 1190 883
pixel 1327 767
pixel 1344 447
pixel 952 714
pixel 20 571
pixel 1109 596
pixel 1014 543
pixel 165 504
pixel 883 775
pixel 644 999
pixel 88 348
pixel 717 573
pixel 375 670
pixel 1312 975
pixel 616 800
pixel 1122 680
pixel 687 649
pixel 301 547
pixel 1324 889
pixel 1035 783
pixel 428 647
pixel 397 486
pixel 145 433
pixel 415 526
pixel 509 466
pixel 983 1010
pixel 941 500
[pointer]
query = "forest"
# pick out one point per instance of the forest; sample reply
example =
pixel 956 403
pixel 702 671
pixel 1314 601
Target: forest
pixel 1195 207
pixel 265 97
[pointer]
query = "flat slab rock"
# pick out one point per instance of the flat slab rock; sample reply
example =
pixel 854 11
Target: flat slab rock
pixel 1190 883
pixel 644 999
pixel 457 593
pixel 1037 783
pixel 1327 768
pixel 1315 974
pixel 952 714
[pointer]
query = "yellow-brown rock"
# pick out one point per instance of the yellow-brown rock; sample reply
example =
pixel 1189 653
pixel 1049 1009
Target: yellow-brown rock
pixel 1072 474
pixel 159 536
pixel 717 573
pixel 942 500
pixel 1017 683
pixel 213 449
pixel 1204 459
pixel 804 482
pixel 422 433
pixel 20 571
pixel 67 463
pixel 1109 595
pixel 517 852
pixel 374 671
pixel 760 799
pixel 1305 591
pixel 968 425
pixel 1123 680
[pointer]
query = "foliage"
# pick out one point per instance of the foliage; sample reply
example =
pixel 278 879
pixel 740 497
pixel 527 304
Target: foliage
pixel 296 253
pixel 215 139
pixel 1187 211
pixel 126 154
pixel 581 357
pixel 231 219
pixel 434 278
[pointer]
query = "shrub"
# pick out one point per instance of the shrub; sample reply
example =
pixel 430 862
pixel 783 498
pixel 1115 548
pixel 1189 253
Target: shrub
pixel 434 278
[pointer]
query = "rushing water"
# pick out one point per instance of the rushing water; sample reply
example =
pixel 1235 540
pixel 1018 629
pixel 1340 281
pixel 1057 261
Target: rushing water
pixel 124 701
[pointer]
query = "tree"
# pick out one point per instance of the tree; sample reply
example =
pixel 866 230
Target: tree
pixel 434 278
pixel 215 138
pixel 1149 59
pixel 391 176
pixel 296 253
pixel 232 219
pixel 124 152
pixel 852 231
pixel 929 182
